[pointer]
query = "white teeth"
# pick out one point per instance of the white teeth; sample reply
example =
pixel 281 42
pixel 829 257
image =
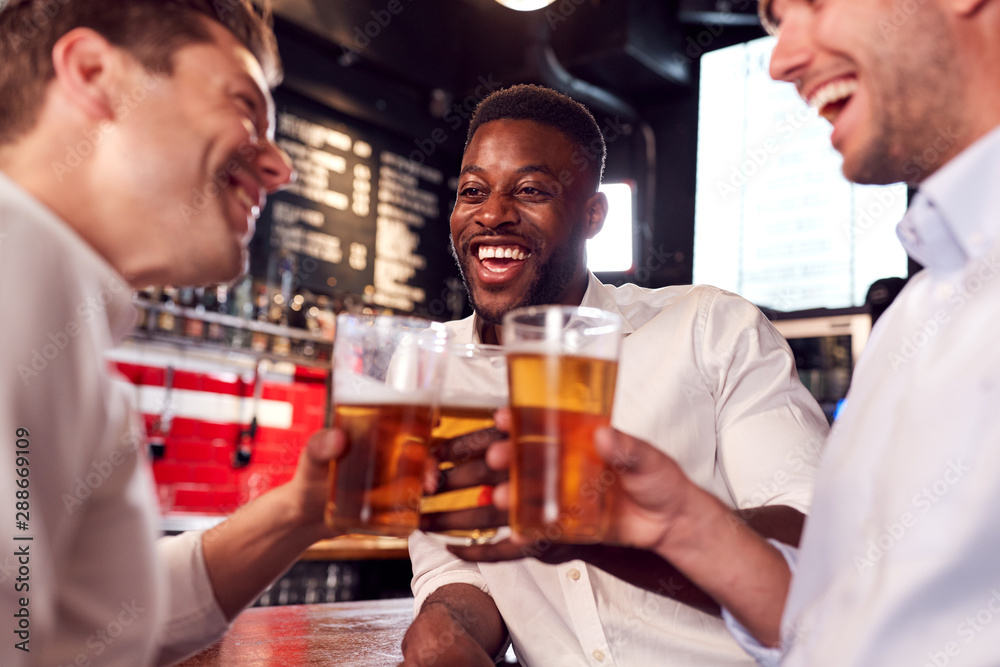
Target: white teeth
pixel 502 252
pixel 835 91
pixel 244 198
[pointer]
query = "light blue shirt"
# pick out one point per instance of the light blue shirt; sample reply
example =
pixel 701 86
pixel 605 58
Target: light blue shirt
pixel 900 559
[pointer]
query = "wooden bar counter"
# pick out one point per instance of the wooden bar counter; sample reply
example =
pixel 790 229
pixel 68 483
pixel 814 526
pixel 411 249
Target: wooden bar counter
pixel 355 634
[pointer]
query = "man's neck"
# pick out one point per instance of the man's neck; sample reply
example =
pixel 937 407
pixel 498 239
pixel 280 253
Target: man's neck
pixel 492 334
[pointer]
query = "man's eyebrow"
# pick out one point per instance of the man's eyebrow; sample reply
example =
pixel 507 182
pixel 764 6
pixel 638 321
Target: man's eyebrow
pixel 263 109
pixel 255 87
pixel 526 169
pixel 531 168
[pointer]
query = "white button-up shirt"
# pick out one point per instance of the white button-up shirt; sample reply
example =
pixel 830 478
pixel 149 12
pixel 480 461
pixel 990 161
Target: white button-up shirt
pixel 83 563
pixel 900 560
pixel 706 378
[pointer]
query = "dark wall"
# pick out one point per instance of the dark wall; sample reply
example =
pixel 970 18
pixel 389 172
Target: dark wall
pixel 420 71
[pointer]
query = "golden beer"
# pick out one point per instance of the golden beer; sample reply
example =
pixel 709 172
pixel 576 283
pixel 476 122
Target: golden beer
pixel 454 421
pixel 375 487
pixel 460 419
pixel 557 478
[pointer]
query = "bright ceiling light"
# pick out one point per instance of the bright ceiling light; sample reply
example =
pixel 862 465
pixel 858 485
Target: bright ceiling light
pixel 525 5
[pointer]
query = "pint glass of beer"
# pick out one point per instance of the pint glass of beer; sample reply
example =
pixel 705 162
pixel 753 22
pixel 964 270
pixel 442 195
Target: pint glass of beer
pixel 387 372
pixel 562 364
pixel 475 387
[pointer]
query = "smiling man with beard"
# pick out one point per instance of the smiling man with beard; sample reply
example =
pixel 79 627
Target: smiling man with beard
pixel 518 237
pixel 702 374
pixel 898 563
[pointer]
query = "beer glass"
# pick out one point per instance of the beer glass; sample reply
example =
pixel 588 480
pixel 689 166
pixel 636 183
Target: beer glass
pixel 562 364
pixel 387 372
pixel 475 387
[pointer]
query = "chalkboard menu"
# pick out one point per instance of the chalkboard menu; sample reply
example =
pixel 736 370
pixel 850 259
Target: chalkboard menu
pixel 368 214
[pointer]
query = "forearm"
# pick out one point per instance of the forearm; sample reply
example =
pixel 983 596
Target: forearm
pixel 249 550
pixel 649 571
pixel 457 624
pixel 731 562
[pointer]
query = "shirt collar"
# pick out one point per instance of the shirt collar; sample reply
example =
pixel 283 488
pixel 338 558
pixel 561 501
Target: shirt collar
pixel 953 217
pixel 114 295
pixel 596 296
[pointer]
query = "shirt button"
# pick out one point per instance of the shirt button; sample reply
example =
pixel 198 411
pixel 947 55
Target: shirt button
pixel 573 574
pixel 598 655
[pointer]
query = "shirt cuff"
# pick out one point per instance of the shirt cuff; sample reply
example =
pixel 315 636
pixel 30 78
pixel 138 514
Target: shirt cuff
pixel 453 577
pixel 765 656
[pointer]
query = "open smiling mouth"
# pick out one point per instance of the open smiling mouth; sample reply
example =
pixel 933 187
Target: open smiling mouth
pixel 251 207
pixel 500 261
pixel 831 98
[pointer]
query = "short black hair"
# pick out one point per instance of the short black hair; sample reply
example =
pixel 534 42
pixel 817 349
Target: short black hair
pixel 548 107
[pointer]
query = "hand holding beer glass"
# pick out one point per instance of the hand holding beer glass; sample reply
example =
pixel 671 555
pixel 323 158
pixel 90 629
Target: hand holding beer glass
pixel 475 387
pixel 387 373
pixel 562 365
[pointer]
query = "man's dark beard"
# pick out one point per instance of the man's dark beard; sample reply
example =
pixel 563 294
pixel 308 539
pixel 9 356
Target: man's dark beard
pixel 547 288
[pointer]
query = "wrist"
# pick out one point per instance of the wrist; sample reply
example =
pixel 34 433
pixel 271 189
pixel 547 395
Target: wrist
pixel 298 526
pixel 694 527
pixel 422 644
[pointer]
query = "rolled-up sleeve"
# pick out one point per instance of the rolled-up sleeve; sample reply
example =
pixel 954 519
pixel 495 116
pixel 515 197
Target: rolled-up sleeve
pixel 434 566
pixel 195 619
pixel 765 656
pixel 770 429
